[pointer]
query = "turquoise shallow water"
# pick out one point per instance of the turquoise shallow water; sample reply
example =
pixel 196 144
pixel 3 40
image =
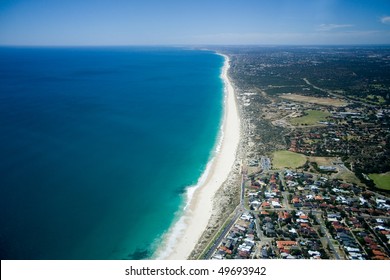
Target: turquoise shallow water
pixel 98 146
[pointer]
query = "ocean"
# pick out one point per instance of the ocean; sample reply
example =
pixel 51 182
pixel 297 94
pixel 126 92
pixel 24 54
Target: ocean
pixel 99 145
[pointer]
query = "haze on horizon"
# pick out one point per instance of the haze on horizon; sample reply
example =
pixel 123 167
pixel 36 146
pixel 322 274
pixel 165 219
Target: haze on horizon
pixel 201 22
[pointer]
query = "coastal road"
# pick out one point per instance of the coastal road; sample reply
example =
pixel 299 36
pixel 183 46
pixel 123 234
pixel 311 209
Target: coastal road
pixel 237 213
pixel 222 235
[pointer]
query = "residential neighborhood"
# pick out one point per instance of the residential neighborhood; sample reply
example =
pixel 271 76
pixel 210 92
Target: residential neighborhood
pixel 299 215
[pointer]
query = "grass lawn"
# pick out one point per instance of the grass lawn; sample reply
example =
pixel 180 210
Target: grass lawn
pixel 382 181
pixel 283 159
pixel 312 117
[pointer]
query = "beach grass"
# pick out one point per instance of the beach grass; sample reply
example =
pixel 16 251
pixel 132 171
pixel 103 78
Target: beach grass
pixel 287 159
pixel 311 117
pixel 382 181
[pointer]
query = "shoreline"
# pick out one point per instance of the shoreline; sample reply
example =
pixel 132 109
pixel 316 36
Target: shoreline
pixel 185 233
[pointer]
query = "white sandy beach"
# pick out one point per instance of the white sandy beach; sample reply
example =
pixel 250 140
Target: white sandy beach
pixel 196 216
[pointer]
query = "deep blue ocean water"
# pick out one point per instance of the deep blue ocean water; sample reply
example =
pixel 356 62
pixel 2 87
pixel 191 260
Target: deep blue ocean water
pixel 98 145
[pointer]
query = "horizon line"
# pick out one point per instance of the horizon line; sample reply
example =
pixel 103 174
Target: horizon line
pixel 192 45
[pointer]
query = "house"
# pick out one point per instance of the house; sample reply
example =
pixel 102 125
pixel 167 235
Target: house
pixel 276 204
pixel 283 215
pixel 226 250
pixel 314 253
pixel 295 200
pixel 246 217
pixel 285 246
pixel 255 204
pixel 379 221
pixel 293 231
pixel 269 230
pixel 334 215
pixel 350 249
pixel 266 204
pixel 240 228
pixel 292 184
pixel 309 197
pixel 244 254
pixel 229 244
pixel 380 201
pixel 313 187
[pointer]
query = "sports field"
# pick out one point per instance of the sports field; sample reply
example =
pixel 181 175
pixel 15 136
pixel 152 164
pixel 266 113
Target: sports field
pixel 312 117
pixel 287 159
pixel 382 181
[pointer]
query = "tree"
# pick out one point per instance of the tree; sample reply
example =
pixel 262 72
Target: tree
pixel 293 213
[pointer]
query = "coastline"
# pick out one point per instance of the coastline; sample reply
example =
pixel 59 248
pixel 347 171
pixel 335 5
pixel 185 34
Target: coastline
pixel 184 235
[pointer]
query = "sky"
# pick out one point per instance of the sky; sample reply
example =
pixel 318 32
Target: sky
pixel 193 22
